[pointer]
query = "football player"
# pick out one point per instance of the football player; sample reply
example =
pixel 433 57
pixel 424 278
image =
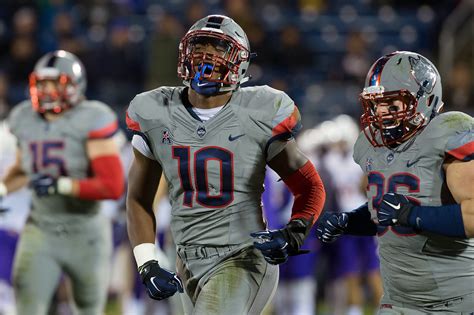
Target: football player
pixel 420 170
pixel 67 155
pixel 212 140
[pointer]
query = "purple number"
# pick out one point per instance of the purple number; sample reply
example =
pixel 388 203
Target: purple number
pixel 391 185
pixel 183 156
pixel 46 154
pixel 201 158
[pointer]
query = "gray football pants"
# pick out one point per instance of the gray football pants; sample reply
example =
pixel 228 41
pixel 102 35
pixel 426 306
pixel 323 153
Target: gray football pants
pixel 238 282
pixel 43 254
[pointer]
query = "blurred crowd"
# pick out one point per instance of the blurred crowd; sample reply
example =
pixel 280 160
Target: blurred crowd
pixel 317 51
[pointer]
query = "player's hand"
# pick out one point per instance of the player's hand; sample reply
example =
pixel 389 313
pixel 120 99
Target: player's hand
pixel 44 185
pixel 277 245
pixel 160 283
pixel 394 210
pixel 331 227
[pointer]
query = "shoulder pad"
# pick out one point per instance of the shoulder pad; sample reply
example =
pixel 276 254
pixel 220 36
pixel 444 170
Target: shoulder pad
pixel 17 116
pixel 361 146
pixel 277 109
pixel 449 133
pixel 456 131
pixel 149 106
pixel 99 119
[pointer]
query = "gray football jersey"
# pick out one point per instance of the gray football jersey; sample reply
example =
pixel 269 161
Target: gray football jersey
pixel 421 268
pixel 58 148
pixel 215 169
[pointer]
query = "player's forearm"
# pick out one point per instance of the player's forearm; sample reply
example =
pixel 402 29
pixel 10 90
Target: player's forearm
pixel 308 190
pixel 360 222
pixel 141 224
pixel 14 180
pixel 447 220
pixel 107 182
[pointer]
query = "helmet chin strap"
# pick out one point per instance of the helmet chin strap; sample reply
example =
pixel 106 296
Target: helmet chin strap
pixel 203 86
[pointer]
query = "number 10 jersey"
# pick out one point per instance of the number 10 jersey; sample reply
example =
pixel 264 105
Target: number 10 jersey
pixel 215 169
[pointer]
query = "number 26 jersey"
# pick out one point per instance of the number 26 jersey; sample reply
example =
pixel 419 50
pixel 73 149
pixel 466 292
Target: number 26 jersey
pixel 421 267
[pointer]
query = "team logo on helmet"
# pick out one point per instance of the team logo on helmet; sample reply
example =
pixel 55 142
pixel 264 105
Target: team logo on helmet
pixel 424 75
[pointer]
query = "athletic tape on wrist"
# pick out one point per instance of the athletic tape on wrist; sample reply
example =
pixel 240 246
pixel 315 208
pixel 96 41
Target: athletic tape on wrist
pixel 144 252
pixel 64 185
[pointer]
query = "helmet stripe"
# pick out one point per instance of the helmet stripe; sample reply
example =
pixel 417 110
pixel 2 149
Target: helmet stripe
pixel 377 70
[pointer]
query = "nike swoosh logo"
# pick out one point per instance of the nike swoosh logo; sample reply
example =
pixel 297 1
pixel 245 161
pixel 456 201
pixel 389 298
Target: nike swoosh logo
pixel 412 163
pixel 201 84
pixel 397 207
pixel 153 282
pixel 236 137
pixel 418 222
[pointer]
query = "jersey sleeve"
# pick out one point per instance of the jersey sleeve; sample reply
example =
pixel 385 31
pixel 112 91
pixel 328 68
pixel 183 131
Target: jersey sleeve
pixel 132 119
pixel 285 125
pixel 360 149
pixel 460 144
pixel 102 122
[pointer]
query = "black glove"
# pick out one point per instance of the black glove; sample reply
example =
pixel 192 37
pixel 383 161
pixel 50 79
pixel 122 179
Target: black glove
pixel 44 185
pixel 277 245
pixel 160 283
pixel 394 210
pixel 331 227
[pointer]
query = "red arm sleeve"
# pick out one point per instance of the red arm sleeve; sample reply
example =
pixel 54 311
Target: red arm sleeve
pixel 107 181
pixel 308 189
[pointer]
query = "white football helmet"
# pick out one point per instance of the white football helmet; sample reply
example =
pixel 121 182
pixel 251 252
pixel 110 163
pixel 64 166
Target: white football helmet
pixel 70 78
pixel 224 72
pixel 400 76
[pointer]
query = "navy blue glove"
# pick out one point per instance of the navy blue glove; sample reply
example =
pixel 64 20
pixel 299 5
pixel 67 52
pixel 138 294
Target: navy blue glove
pixel 44 185
pixel 160 283
pixel 331 227
pixel 394 210
pixel 277 245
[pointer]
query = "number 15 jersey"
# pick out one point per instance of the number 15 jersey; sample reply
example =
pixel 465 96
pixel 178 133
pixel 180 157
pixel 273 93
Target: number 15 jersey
pixel 215 169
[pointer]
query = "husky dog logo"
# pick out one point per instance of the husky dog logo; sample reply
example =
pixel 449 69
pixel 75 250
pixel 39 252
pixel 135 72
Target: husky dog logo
pixel 368 164
pixel 390 158
pixel 424 74
pixel 201 131
pixel 166 137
